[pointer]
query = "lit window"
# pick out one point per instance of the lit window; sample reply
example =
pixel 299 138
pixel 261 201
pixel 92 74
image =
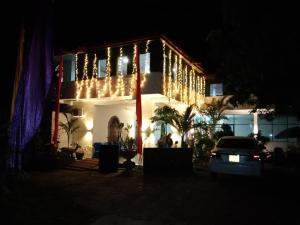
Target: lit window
pixel 145 63
pixel 122 65
pixel 101 68
pixel 69 68
pixel 216 89
pixel 174 70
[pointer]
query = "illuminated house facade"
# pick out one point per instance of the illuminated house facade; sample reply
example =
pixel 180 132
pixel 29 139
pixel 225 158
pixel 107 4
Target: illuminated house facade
pixel 100 83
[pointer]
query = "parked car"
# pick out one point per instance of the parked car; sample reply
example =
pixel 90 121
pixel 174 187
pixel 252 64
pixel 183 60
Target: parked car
pixel 236 155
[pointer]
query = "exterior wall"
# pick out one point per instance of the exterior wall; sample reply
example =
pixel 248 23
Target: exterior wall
pixel 102 115
pixel 125 111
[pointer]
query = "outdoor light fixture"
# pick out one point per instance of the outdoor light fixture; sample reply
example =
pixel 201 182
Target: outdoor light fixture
pixel 89 125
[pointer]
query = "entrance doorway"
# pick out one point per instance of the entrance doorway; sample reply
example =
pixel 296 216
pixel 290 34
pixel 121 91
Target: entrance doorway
pixel 114 130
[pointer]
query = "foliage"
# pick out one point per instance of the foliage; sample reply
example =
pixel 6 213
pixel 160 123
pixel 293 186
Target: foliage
pixel 202 149
pixel 245 64
pixel 165 115
pixel 226 131
pixel 214 112
pixel 129 142
pixel 259 137
pixel 182 122
pixel 69 127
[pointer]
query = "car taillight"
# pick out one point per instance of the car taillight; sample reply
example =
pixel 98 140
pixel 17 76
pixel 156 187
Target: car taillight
pixel 215 155
pixel 255 157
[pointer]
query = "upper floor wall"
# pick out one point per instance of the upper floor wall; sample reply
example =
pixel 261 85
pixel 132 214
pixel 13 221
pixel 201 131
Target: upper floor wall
pixel 111 71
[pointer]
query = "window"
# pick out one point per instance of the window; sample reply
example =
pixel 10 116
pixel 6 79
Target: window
pixel 216 89
pixel 101 67
pixel 122 65
pixel 174 72
pixel 69 68
pixel 145 63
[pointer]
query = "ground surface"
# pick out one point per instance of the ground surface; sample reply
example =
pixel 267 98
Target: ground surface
pixel 79 195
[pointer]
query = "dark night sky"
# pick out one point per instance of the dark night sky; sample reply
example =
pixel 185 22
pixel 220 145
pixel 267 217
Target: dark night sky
pixel 87 23
pixel 267 30
pixel 262 37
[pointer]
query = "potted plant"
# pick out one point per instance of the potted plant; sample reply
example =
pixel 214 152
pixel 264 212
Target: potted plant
pixel 79 152
pixel 69 127
pixel 128 150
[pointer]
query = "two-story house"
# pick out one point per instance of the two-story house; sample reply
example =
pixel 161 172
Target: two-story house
pixel 100 84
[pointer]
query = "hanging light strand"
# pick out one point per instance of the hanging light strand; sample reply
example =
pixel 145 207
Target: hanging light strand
pixel 134 72
pixel 78 83
pixel 120 84
pixel 146 65
pixel 170 75
pixel 164 68
pixel 107 81
pixel 180 79
pixel 85 76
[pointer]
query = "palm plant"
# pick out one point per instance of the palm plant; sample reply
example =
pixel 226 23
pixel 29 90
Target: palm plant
pixel 165 115
pixel 214 111
pixel 182 122
pixel 70 126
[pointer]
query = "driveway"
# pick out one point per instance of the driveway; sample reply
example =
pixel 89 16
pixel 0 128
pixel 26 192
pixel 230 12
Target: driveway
pixel 71 196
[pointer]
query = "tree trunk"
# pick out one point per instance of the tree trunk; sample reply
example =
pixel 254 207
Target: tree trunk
pixel 183 144
pixel 68 140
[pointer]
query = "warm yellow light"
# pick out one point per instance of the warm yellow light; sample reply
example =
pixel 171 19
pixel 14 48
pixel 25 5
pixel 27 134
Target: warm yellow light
pixel 164 68
pixel 89 124
pixel 132 130
pixel 88 136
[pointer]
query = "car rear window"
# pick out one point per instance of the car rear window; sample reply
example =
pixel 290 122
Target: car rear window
pixel 236 143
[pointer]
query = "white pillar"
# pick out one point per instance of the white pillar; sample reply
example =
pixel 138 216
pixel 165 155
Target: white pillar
pixel 255 123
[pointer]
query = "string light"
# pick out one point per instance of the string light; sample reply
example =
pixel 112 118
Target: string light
pixel 147 64
pixel 188 86
pixel 93 84
pixel 203 86
pixel 78 83
pixel 175 68
pixel 170 75
pixel 134 72
pixel 185 87
pixel 85 75
pixel 120 84
pixel 180 79
pixel 107 81
pixel 164 68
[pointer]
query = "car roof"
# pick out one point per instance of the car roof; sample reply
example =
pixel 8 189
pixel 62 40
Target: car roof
pixel 238 138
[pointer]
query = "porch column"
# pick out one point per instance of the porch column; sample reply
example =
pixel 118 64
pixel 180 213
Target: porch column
pixel 255 123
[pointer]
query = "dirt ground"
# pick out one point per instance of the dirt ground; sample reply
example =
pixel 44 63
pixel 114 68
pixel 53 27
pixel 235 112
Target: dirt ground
pixel 82 195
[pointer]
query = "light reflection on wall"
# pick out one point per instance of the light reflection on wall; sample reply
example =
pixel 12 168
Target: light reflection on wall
pixel 88 136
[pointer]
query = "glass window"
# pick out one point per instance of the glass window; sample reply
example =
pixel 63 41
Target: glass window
pixel 174 72
pixel 69 68
pixel 122 65
pixel 145 63
pixel 242 130
pixel 244 119
pixel 216 89
pixel 101 68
